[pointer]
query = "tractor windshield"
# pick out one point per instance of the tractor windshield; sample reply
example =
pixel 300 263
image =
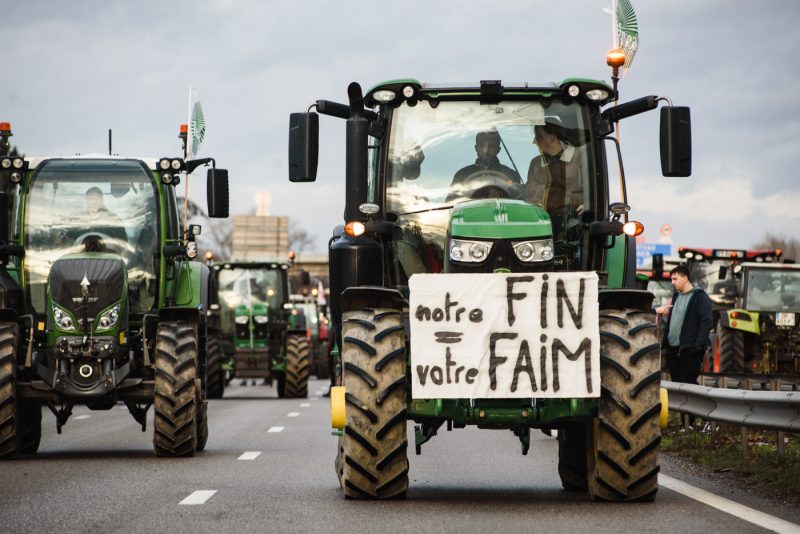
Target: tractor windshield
pixel 445 152
pixel 245 286
pixel 76 206
pixel 773 290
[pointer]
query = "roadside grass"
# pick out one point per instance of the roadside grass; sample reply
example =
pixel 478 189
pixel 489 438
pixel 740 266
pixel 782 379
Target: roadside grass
pixel 721 450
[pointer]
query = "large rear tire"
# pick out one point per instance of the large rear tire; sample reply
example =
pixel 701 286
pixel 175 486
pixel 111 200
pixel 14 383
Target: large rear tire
pixel 372 461
pixel 202 426
pixel 175 419
pixel 731 349
pixel 572 457
pixel 625 436
pixel 298 366
pixel 216 378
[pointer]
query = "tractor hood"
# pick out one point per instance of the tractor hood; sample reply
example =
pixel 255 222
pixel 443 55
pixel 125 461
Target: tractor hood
pixel 499 219
pixel 103 275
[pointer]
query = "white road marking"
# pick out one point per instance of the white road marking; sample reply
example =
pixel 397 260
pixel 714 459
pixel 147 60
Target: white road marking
pixel 293 414
pixel 249 455
pixel 305 405
pixel 276 429
pixel 79 417
pixel 741 511
pixel 198 497
pixel 313 398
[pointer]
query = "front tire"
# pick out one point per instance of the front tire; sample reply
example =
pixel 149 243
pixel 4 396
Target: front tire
pixel 625 436
pixel 372 461
pixel 731 349
pixel 10 427
pixel 175 418
pixel 298 367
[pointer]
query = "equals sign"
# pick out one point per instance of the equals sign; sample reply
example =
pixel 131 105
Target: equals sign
pixel 448 337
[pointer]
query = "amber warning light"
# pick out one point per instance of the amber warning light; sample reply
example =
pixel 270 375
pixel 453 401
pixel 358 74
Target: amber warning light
pixel 5 126
pixel 615 58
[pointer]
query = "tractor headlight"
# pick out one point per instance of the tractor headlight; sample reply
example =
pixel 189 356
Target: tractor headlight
pixel 242 319
pixel 109 319
pixel 596 94
pixel 163 164
pixel 63 320
pixel 469 251
pixel 260 319
pixel 534 251
pixel 191 249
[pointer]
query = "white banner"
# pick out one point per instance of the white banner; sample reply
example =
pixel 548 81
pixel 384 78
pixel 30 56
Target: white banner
pixel 197 125
pixel 510 335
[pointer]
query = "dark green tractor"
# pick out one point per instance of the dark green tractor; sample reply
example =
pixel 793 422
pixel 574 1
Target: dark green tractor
pixel 458 299
pixel 100 300
pixel 261 335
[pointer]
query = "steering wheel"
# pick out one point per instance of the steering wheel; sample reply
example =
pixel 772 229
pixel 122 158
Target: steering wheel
pixel 95 241
pixel 490 184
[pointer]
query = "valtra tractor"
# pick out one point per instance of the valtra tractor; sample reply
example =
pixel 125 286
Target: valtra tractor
pixel 462 302
pixel 261 334
pixel 100 300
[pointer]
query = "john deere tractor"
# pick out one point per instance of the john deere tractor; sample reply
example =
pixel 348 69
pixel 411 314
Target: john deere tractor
pixel 262 336
pixel 100 300
pixel 458 300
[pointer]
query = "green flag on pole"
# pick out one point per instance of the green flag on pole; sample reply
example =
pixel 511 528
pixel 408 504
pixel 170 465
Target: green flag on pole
pixel 626 32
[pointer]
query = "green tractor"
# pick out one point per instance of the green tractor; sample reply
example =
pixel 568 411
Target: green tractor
pixel 457 300
pixel 262 335
pixel 100 300
pixel 760 332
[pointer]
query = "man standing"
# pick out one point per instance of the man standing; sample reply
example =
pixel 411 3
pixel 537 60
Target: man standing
pixel 688 325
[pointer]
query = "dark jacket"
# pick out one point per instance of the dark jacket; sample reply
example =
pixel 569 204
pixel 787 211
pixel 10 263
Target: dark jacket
pixel 697 322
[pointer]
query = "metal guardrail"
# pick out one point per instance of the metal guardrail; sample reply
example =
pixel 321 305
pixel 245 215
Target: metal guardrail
pixel 766 410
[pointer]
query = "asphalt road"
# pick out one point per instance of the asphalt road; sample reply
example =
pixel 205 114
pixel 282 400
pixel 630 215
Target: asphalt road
pixel 100 475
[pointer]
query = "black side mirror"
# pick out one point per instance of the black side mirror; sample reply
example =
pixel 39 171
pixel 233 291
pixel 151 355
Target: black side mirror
pixel 218 195
pixel 303 146
pixel 723 272
pixel 658 266
pixel 676 141
pixel 305 278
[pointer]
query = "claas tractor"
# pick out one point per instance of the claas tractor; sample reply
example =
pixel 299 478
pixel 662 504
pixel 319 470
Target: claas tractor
pixel 463 294
pixel 746 340
pixel 100 299
pixel 262 336
pixel 760 332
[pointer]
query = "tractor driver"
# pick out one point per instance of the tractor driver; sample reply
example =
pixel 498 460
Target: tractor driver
pixel 486 169
pixel 102 220
pixel 554 177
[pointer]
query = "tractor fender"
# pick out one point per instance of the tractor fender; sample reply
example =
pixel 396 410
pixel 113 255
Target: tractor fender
pixel 354 298
pixel 625 298
pixel 747 321
pixel 194 286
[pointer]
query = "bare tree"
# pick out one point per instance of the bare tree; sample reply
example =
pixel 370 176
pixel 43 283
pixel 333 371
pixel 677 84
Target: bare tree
pixel 217 233
pixel 299 238
pixel 789 245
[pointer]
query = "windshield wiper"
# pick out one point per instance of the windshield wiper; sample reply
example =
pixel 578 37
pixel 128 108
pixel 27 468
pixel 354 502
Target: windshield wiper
pixel 428 209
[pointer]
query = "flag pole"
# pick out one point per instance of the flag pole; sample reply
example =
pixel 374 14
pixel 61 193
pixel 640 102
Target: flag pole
pixel 186 157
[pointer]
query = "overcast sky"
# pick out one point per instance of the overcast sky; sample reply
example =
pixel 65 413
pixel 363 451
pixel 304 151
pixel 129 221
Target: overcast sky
pixel 72 70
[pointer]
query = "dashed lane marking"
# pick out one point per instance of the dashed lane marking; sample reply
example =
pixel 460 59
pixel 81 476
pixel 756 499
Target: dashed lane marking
pixel 293 414
pixel 741 511
pixel 305 405
pixel 249 455
pixel 198 497
pixel 276 429
pixel 313 398
pixel 79 417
